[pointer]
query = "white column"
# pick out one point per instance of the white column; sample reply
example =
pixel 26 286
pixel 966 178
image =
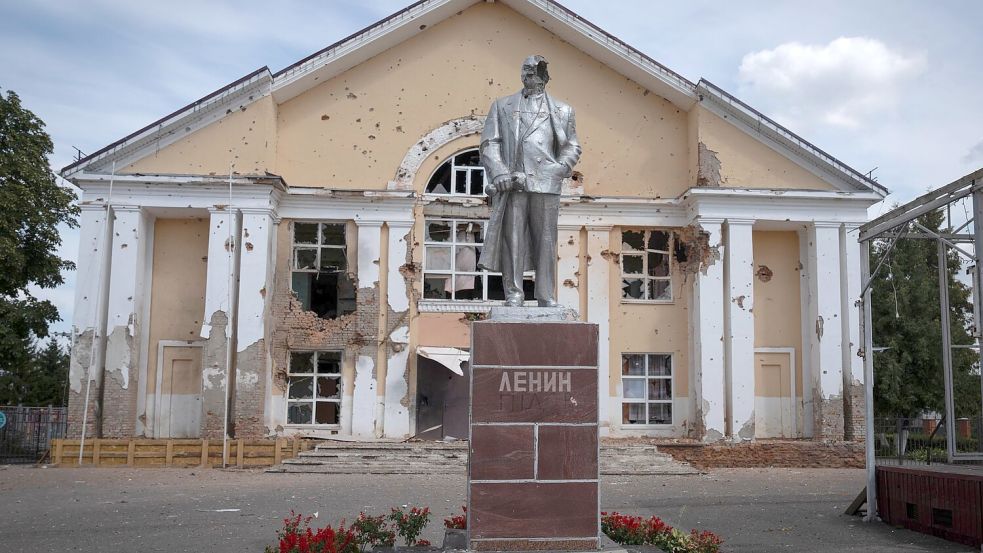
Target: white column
pixel 827 330
pixel 739 322
pixel 92 221
pixel 363 397
pixel 253 401
pixel 397 415
pixel 219 267
pixel 568 266
pixel 850 286
pixel 707 313
pixel 808 307
pixel 122 340
pixel 599 312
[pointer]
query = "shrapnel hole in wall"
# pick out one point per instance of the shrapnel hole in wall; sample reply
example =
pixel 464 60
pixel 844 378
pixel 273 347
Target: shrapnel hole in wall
pixel 320 279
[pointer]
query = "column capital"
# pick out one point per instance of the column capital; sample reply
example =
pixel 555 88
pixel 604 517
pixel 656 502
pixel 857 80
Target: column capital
pixel 126 208
pixel 399 224
pixel 740 221
pixel 92 207
pixel 826 224
pixel 599 227
pixel 569 226
pixel 369 222
pixel 707 220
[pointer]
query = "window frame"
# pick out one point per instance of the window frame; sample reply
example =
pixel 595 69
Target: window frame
pixel 314 399
pixel 453 176
pixel 294 245
pixel 453 273
pixel 644 276
pixel 646 378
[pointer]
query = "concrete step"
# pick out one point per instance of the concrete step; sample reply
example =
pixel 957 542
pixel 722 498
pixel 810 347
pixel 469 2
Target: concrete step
pixel 451 458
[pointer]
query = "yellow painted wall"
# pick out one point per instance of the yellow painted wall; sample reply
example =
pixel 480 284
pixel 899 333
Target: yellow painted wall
pixel 452 330
pixel 748 163
pixel 649 327
pixel 245 137
pixel 177 297
pixel 777 304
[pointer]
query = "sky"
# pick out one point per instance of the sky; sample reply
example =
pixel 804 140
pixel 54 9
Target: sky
pixel 890 86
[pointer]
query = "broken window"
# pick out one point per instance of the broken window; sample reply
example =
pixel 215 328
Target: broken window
pixel 461 175
pixel 451 250
pixel 314 388
pixel 646 272
pixel 320 278
pixel 646 386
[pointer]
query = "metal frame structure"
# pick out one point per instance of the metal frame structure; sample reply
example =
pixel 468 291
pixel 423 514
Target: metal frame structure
pixel 901 223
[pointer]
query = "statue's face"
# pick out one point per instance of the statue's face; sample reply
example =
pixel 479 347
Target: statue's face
pixel 530 75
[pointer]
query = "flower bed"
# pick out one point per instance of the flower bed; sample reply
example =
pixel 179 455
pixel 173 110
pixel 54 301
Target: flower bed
pixel 367 532
pixel 635 530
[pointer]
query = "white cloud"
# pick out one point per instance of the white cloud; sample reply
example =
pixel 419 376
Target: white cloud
pixel 845 83
pixel 975 154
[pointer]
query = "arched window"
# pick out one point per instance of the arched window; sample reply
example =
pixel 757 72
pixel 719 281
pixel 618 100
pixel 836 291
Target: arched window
pixel 461 175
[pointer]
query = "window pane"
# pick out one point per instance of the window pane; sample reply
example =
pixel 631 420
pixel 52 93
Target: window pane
pixel 302 362
pixel 633 240
pixel 659 240
pixel 470 158
pixel 660 365
pixel 300 283
pixel 631 264
pixel 328 387
pixel 632 288
pixel 305 258
pixel 469 232
pixel 468 287
pixel 633 413
pixel 658 264
pixel 305 233
pixel 301 387
pixel 477 183
pixel 327 412
pixel 633 388
pixel 660 413
pixel 438 258
pixel 329 362
pixel 438 231
pixel 437 287
pixel 299 413
pixel 332 234
pixel 659 290
pixel 333 259
pixel 633 365
pixel 496 290
pixel 440 182
pixel 660 388
pixel 461 181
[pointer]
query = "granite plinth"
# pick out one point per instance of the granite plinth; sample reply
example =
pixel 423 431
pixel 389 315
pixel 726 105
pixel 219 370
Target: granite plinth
pixel 533 470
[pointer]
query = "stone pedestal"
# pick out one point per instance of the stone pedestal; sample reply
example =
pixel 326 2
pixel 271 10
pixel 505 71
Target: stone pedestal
pixel 533 468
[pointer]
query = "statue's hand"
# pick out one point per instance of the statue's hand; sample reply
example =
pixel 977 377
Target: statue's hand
pixel 502 183
pixel 519 180
pixel 491 189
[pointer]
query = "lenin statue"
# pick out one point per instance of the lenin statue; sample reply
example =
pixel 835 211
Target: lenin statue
pixel 528 146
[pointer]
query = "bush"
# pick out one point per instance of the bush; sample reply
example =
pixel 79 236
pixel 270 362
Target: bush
pixel 457 522
pixel 296 536
pixel 373 531
pixel 410 524
pixel 634 530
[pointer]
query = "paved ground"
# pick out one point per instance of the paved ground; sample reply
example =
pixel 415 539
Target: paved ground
pixel 755 510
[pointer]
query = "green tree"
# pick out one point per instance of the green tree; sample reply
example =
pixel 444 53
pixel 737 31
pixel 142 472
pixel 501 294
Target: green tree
pixel 43 380
pixel 33 205
pixel 908 374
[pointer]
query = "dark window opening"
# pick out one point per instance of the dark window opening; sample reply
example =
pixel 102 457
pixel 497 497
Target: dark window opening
pixel 329 295
pixel 320 280
pixel 911 511
pixel 942 517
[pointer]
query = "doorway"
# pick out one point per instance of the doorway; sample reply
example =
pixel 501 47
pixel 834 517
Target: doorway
pixel 774 393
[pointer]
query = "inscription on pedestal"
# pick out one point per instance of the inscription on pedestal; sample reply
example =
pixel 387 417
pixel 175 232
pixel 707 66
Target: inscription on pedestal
pixel 533 470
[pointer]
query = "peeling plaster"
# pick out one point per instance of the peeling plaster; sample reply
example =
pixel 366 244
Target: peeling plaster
pixel 747 430
pixel 81 359
pixel 708 170
pixel 119 351
pixel 694 253
pixel 397 295
pixel 364 397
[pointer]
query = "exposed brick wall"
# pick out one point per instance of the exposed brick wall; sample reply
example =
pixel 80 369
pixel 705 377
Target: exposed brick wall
pixel 80 364
pixel 768 453
pixel 856 415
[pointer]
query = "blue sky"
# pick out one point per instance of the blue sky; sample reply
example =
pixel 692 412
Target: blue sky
pixel 888 84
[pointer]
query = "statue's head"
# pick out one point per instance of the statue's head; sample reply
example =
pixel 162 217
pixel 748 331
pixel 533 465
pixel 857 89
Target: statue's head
pixel 534 73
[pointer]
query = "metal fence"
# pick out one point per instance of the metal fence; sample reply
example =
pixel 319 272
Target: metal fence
pixel 922 441
pixel 26 434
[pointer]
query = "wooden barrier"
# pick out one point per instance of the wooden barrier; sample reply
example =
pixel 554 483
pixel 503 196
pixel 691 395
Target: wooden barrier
pixel 241 453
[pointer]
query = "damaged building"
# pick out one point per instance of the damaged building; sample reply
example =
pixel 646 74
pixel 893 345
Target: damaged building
pixel 296 253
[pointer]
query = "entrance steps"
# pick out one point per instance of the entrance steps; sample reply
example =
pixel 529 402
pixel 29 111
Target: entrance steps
pixel 330 457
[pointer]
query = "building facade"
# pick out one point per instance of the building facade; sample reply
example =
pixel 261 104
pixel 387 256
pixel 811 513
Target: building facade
pixel 295 254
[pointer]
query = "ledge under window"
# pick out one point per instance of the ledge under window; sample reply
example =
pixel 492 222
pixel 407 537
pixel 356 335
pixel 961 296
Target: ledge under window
pixel 461 306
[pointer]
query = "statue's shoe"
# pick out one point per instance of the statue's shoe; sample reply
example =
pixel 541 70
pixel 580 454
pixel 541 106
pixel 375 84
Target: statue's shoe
pixel 514 300
pixel 548 303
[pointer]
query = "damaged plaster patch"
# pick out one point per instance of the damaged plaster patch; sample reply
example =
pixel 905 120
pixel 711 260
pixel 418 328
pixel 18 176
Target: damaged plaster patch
pixel 747 431
pixel 119 350
pixel 708 167
pixel 763 273
pixel 81 359
pixel 396 411
pixel 693 251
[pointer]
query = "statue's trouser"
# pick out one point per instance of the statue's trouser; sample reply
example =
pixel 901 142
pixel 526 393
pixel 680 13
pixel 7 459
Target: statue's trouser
pixel 536 214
